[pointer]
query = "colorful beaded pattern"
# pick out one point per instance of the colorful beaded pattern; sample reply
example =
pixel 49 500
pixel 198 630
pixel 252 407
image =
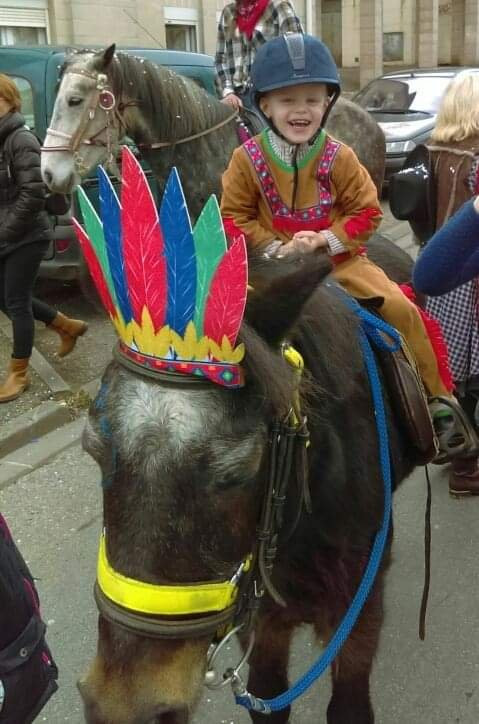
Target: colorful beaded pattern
pixel 221 373
pixel 279 210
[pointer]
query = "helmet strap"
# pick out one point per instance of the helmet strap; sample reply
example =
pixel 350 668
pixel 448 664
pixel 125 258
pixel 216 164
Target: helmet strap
pixel 328 110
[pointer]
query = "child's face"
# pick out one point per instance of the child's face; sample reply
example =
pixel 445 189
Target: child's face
pixel 297 112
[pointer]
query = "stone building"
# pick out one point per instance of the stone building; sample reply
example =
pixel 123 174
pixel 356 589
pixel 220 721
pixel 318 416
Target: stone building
pixel 363 34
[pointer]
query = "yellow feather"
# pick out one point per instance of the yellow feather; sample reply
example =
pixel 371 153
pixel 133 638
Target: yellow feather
pixel 238 354
pixel 147 333
pixel 162 342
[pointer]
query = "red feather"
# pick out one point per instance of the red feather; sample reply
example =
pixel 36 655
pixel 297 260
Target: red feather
pixel 143 244
pixel 226 300
pixel 95 269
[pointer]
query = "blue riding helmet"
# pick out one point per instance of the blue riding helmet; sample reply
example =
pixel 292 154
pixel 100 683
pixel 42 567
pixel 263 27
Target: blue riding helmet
pixel 293 59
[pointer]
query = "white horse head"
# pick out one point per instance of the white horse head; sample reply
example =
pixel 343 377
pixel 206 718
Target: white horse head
pixel 85 127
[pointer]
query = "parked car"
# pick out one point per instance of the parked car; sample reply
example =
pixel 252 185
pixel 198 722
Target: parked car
pixel 35 70
pixel 405 104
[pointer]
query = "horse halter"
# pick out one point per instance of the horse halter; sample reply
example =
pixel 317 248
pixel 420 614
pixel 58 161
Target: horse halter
pixel 103 98
pixel 219 608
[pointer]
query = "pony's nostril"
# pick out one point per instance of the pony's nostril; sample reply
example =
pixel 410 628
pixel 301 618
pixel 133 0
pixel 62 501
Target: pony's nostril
pixel 47 176
pixel 178 716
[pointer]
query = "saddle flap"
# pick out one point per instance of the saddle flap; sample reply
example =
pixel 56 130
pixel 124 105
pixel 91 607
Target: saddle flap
pixel 409 401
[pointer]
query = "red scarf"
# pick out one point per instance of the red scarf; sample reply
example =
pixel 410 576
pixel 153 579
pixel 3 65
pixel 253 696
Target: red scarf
pixel 248 12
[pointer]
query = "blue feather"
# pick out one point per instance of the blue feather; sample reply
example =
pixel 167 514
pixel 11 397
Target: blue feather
pixel 180 255
pixel 110 213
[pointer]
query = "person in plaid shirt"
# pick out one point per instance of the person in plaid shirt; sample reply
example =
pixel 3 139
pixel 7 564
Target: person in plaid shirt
pixel 243 27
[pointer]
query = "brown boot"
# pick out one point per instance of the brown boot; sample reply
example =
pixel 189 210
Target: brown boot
pixel 464 477
pixel 17 380
pixel 69 330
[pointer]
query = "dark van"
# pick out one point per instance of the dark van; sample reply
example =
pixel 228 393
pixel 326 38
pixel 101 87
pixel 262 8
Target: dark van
pixel 35 70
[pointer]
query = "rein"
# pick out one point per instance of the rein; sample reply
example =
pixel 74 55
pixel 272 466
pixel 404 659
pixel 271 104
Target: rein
pixel 368 333
pixel 165 144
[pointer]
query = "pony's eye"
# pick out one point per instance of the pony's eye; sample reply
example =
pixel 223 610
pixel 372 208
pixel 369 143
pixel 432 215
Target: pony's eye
pixel 75 101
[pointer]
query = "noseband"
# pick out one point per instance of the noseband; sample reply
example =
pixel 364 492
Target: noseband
pixel 215 608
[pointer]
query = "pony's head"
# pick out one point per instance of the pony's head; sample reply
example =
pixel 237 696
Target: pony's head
pixel 84 129
pixel 184 468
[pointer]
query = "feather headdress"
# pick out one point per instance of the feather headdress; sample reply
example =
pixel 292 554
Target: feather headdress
pixel 175 294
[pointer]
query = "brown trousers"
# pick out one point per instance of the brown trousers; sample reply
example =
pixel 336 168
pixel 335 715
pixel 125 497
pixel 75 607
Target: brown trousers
pixel 363 279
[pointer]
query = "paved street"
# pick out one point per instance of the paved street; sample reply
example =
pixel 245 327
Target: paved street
pixel 54 511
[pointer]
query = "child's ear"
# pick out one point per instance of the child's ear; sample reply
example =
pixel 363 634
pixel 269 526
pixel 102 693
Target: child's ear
pixel 263 104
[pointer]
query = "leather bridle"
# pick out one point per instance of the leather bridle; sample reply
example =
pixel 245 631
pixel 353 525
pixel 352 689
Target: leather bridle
pixel 102 97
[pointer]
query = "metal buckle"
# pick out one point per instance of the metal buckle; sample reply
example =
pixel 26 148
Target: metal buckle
pixel 213 680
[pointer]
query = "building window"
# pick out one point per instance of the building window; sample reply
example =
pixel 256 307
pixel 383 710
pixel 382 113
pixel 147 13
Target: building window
pixel 181 37
pixel 22 36
pixel 393 47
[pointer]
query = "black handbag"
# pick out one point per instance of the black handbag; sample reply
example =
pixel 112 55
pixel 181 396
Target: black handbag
pixel 412 194
pixel 28 672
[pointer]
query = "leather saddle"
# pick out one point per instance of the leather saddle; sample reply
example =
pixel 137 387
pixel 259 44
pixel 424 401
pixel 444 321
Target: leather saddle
pixel 409 401
pixel 406 392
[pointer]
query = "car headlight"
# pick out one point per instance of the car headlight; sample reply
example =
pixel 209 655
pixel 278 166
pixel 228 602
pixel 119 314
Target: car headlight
pixel 400 146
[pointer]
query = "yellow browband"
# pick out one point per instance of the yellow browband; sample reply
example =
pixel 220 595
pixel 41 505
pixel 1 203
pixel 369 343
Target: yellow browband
pixel 163 600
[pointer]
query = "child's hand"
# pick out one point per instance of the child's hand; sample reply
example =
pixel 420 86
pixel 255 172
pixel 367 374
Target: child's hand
pixel 306 241
pixel 303 242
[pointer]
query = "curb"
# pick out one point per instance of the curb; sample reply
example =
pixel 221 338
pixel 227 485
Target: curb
pixel 48 416
pixel 25 460
pixel 32 424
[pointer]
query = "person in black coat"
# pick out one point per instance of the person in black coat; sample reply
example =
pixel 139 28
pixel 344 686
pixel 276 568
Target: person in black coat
pixel 25 233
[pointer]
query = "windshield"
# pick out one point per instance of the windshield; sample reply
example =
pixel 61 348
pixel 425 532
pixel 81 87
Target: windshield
pixel 413 95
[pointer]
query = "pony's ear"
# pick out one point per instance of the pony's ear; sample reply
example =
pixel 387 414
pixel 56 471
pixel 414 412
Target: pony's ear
pixel 274 307
pixel 104 57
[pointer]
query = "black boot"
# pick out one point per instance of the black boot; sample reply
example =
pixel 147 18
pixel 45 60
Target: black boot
pixel 464 477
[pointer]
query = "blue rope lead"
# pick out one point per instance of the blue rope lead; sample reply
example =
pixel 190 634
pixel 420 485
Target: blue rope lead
pixel 370 327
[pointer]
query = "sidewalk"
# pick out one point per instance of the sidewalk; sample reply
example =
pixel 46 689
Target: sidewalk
pixel 57 397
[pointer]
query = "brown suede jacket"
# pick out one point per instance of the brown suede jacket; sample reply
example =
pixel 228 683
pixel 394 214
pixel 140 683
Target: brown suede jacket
pixel 354 211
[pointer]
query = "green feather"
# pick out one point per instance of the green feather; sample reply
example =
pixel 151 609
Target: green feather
pixel 210 246
pixel 94 230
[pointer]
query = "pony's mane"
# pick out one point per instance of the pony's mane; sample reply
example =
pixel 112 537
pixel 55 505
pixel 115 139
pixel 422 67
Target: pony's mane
pixel 165 99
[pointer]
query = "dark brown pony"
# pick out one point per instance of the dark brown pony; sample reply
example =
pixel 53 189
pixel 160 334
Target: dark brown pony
pixel 185 469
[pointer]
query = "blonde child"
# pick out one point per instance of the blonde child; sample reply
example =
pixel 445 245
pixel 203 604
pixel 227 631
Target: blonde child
pixel 294 187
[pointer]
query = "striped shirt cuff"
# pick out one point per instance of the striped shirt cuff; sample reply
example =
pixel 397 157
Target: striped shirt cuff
pixel 335 245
